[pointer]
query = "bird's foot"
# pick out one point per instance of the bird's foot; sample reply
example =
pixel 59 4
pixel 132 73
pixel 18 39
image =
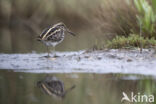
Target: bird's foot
pixel 48 56
pixel 56 56
pixel 45 57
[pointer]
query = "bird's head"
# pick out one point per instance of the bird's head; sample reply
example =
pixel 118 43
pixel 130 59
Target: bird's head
pixel 61 25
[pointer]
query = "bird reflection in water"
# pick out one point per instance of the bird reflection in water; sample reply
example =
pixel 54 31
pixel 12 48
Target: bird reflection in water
pixel 54 87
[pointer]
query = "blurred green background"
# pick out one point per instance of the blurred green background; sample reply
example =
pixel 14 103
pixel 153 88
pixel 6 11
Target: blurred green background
pixel 94 23
pixel 22 21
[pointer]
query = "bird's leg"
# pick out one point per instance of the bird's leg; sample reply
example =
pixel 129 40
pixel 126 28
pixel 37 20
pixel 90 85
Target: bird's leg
pixel 48 52
pixel 54 52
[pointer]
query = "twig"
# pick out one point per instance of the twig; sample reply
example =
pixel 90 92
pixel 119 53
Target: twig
pixel 140 37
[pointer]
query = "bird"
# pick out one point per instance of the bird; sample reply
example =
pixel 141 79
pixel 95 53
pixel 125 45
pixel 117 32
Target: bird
pixel 53 35
pixel 54 87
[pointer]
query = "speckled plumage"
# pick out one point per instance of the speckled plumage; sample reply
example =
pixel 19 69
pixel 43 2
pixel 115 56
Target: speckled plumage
pixel 53 87
pixel 53 35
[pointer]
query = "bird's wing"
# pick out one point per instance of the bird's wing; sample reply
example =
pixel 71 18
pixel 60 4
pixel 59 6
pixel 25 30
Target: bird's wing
pixel 53 32
pixel 45 88
pixel 44 32
pixel 55 87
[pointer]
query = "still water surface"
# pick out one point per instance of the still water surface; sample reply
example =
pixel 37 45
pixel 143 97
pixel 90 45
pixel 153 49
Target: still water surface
pixel 21 88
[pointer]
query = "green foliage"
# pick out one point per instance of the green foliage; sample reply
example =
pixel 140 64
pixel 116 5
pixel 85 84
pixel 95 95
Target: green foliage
pixel 133 40
pixel 154 5
pixel 146 17
pixel 143 37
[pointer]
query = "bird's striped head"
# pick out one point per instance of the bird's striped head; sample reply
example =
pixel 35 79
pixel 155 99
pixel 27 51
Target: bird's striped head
pixel 52 30
pixel 61 25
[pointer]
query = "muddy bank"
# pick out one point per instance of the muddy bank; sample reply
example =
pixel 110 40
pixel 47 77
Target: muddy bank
pixel 106 61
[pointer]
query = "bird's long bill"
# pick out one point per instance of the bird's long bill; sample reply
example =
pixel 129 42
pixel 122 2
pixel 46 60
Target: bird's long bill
pixel 70 32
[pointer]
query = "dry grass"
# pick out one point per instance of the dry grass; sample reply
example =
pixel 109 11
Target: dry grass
pixel 117 20
pixel 116 17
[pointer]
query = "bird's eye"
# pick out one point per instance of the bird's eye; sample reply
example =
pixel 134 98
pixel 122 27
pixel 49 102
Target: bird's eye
pixel 62 27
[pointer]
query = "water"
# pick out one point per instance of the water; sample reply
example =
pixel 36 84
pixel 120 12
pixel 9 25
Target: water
pixel 100 76
pixel 21 88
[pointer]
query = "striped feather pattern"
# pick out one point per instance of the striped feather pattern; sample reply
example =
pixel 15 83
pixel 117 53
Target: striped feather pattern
pixel 53 35
pixel 52 87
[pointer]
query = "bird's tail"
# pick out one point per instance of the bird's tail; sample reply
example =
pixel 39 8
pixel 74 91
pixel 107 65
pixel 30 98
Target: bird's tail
pixel 38 38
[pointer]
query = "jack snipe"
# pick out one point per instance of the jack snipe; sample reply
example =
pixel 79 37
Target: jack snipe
pixel 53 87
pixel 53 35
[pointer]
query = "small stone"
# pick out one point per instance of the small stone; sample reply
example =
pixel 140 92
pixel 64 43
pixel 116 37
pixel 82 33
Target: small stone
pixel 99 58
pixel 129 60
pixel 86 56
pixel 112 56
